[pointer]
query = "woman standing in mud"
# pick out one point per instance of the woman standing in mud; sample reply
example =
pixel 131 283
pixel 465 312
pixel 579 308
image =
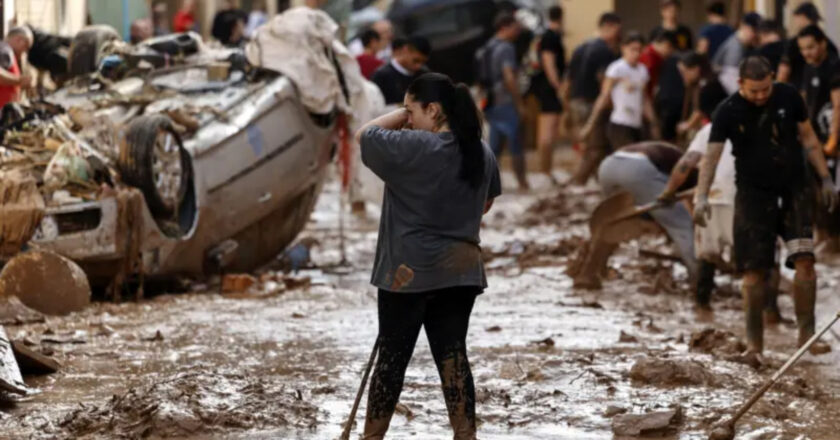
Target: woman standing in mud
pixel 439 181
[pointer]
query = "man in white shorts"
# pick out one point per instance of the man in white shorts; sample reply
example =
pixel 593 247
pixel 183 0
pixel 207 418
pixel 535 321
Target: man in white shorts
pixel 712 243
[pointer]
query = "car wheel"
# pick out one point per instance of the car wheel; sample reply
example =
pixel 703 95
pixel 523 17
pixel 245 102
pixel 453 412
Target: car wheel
pixel 153 159
pixel 86 48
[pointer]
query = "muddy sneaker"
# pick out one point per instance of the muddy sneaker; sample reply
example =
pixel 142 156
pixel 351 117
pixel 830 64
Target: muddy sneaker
pixel 750 357
pixel 817 348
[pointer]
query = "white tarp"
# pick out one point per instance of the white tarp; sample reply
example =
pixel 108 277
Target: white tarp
pixel 299 44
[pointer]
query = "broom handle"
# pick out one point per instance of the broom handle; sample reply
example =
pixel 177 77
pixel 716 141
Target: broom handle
pixel 757 395
pixel 349 425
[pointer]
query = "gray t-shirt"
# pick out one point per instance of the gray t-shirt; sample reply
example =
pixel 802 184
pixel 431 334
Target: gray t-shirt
pixel 503 55
pixel 430 215
pixel 730 53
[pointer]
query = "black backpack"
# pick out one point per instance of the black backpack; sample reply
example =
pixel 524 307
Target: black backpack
pixel 483 65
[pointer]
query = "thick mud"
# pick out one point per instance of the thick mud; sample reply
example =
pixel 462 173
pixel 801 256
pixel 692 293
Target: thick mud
pixel 550 362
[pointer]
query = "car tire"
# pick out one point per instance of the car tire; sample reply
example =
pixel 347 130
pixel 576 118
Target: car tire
pixel 153 159
pixel 86 49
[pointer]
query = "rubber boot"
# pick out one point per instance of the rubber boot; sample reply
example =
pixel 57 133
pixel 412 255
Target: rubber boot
pixel 375 429
pixel 804 303
pixel 753 296
pixel 459 394
pixel 705 283
pixel 519 170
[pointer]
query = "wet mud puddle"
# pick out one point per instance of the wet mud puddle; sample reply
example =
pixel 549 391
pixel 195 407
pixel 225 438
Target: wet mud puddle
pixel 550 362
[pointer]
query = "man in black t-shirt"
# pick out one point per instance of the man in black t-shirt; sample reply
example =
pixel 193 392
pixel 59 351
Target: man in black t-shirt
pixel 821 87
pixel 793 63
pixel 670 10
pixel 586 73
pixel 774 197
pixel 772 46
pixel 548 87
pixel 406 64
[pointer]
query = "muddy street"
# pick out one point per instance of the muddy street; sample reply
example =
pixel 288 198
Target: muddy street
pixel 283 360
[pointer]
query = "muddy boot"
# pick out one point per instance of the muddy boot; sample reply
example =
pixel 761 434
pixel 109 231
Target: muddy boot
pixel 804 302
pixel 459 394
pixel 753 296
pixel 519 171
pixel 705 284
pixel 375 429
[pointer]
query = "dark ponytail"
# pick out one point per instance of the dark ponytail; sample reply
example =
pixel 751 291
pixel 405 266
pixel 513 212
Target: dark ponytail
pixel 461 114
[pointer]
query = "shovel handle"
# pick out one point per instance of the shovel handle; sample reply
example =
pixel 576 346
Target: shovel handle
pixel 648 207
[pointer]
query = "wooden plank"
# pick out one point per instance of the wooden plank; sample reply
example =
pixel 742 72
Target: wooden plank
pixel 33 362
pixel 10 378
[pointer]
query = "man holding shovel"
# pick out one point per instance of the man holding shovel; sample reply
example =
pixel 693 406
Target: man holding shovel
pixel 636 175
pixel 765 122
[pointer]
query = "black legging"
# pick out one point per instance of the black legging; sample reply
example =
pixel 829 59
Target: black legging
pixel 445 314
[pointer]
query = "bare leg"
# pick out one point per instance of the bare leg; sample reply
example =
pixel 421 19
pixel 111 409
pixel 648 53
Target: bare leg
pixel 547 136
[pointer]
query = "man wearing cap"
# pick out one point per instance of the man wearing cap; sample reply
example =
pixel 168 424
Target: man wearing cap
pixel 793 63
pixel 740 45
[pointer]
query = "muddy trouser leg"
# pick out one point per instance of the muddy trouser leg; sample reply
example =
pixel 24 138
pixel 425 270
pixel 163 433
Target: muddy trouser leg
pixel 400 319
pixel 504 121
pixel 705 282
pixel 756 226
pixel 596 147
pixel 646 182
pixel 446 321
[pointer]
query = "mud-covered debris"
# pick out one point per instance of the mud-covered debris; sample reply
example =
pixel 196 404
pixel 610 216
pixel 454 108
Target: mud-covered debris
pixel 33 362
pixel 157 337
pixel 10 378
pixel 583 304
pixel 75 337
pixel 298 315
pixel 717 342
pixel 664 372
pixel 656 422
pixel 294 283
pixel 14 312
pixel 532 254
pixel 627 338
pixel 192 405
pixel 404 411
pixel 613 410
pixel 493 329
pixel 547 342
pixel 574 207
pixel 232 283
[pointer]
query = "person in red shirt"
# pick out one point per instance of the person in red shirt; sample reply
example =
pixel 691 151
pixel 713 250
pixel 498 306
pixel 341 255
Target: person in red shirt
pixel 184 20
pixel 368 62
pixel 18 41
pixel 660 48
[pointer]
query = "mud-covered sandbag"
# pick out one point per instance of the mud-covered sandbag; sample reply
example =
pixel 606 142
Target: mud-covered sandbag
pixel 21 210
